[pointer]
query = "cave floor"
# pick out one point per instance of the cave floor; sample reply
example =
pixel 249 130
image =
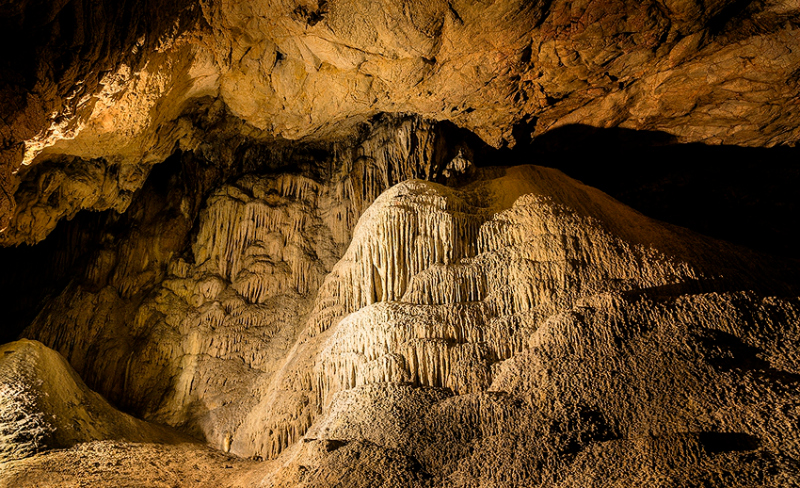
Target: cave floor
pixel 120 464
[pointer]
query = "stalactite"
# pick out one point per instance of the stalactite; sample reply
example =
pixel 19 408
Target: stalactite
pixel 434 292
pixel 394 242
pixel 426 286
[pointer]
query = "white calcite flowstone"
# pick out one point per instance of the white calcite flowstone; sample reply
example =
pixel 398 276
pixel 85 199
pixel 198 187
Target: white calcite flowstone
pixel 437 292
pixel 230 307
pixel 518 330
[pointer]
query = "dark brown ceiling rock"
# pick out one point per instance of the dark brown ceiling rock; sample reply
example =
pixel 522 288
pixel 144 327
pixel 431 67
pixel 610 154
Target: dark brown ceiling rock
pixel 98 79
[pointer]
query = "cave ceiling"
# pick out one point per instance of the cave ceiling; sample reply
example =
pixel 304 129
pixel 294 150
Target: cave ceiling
pixel 111 88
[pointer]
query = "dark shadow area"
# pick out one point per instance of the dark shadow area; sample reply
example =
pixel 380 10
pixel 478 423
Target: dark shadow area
pixel 728 353
pixel 743 195
pixel 33 274
pixel 697 287
pixel 719 442
pixel 61 45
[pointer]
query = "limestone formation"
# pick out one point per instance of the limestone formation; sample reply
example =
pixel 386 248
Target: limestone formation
pixel 305 243
pixel 45 405
pixel 433 309
pixel 523 314
pixel 223 318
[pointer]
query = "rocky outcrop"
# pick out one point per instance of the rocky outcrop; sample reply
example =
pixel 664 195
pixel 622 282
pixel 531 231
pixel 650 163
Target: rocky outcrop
pixel 300 255
pixel 523 315
pixel 72 61
pixel 720 72
pixel 45 405
pixel 438 293
pixel 661 373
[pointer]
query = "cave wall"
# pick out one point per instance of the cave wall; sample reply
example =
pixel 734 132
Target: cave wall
pixel 310 231
pixel 195 279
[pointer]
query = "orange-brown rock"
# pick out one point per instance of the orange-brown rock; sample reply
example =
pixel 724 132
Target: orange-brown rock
pixel 719 72
pixel 310 235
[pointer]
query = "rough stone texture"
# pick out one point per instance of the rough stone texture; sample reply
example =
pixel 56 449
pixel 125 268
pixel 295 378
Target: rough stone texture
pixel 70 60
pixel 709 71
pixel 184 339
pixel 520 330
pixel 115 463
pixel 304 258
pixel 45 405
pixel 435 292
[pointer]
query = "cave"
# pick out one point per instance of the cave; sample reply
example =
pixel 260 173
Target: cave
pixel 391 243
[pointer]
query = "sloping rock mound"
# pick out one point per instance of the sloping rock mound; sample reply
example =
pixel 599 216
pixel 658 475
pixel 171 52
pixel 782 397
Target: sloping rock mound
pixel 520 330
pixel 583 345
pixel 45 405
pixel 437 292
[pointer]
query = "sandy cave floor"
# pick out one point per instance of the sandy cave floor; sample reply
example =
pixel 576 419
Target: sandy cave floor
pixel 126 465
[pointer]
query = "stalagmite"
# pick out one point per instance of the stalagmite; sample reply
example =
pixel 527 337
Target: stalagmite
pixel 434 292
pixel 45 405
pixel 272 337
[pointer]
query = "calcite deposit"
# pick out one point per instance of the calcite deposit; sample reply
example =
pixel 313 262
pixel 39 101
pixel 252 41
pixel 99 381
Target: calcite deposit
pixel 523 312
pixel 45 405
pixel 328 243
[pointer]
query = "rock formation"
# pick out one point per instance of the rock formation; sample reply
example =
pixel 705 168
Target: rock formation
pixel 45 405
pixel 712 71
pixel 522 308
pixel 304 244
